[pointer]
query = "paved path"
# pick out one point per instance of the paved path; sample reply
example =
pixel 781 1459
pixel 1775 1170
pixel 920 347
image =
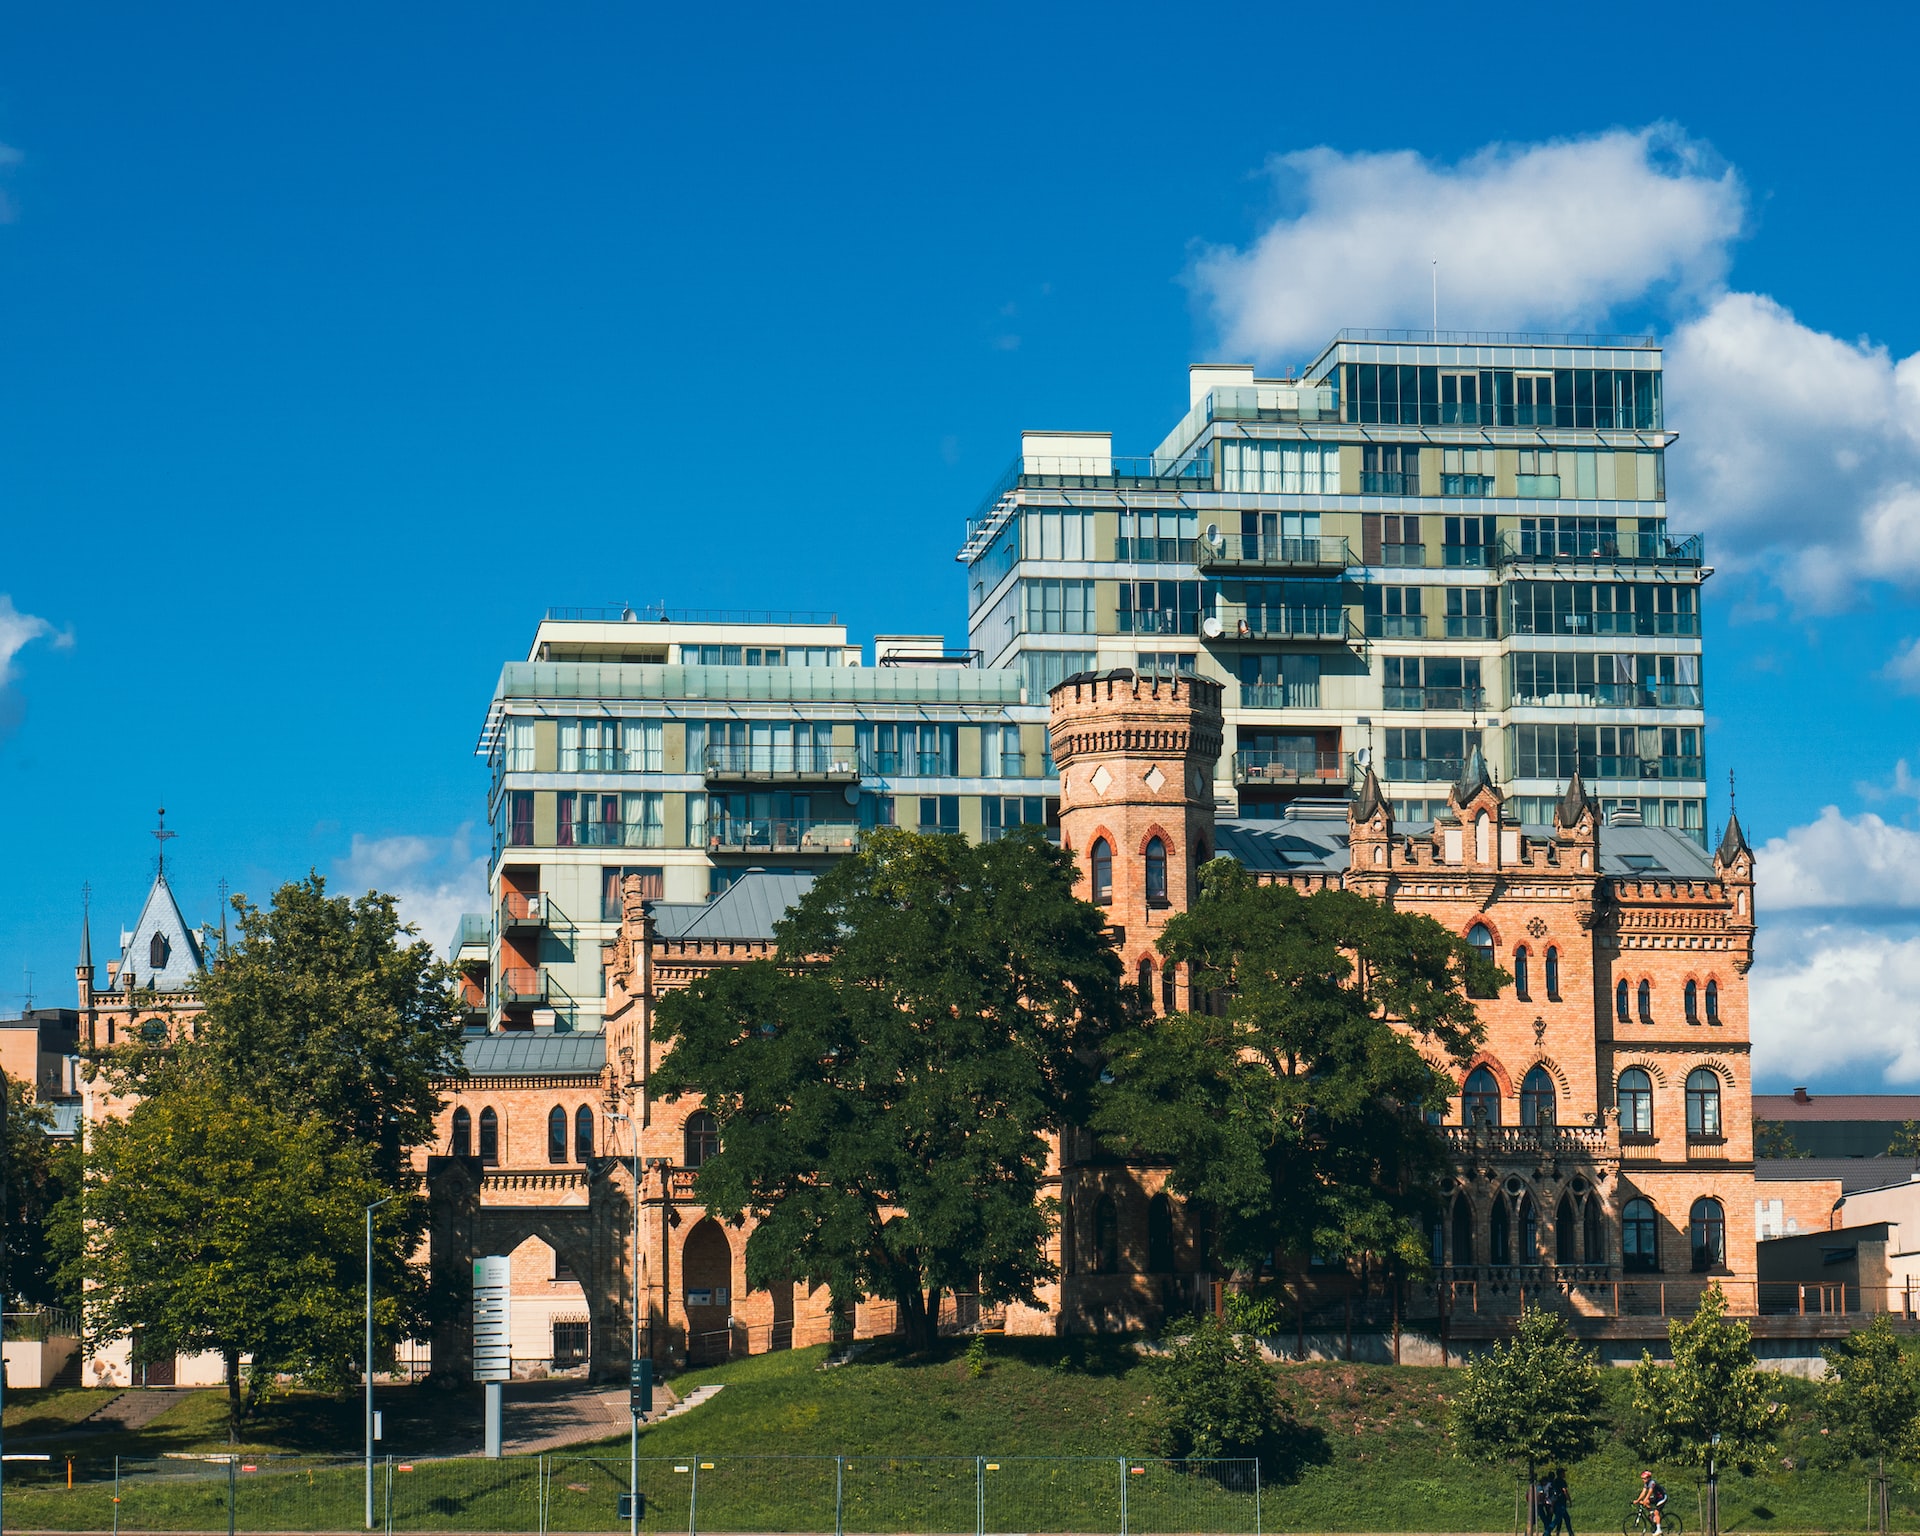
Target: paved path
pixel 554 1421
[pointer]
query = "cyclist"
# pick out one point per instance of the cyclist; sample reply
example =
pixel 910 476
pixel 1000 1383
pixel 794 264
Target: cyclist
pixel 1654 1498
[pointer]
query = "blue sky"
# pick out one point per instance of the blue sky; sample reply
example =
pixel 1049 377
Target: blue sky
pixel 336 344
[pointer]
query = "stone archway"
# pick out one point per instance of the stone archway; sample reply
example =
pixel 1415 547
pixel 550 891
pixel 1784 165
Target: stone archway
pixel 706 1289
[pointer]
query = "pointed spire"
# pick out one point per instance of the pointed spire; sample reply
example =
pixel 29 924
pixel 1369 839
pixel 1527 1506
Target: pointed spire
pixel 1473 779
pixel 86 931
pixel 1575 803
pixel 1370 801
pixel 1733 842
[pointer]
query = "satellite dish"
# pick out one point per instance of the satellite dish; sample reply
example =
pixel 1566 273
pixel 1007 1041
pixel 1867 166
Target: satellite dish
pixel 1210 627
pixel 1364 757
pixel 852 792
pixel 1215 537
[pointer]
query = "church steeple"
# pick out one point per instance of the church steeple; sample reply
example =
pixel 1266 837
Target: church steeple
pixel 83 968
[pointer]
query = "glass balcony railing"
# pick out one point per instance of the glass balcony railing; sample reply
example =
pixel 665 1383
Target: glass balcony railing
pixel 1384 483
pixel 521 985
pixel 1473 556
pixel 1615 695
pixel 1396 626
pixel 779 762
pixel 735 834
pixel 1406 555
pixel 1470 626
pixel 1648 768
pixel 1433 698
pixel 1246 621
pixel 611 834
pixel 1532 622
pixel 1280 695
pixel 1466 485
pixel 1253 768
pixel 1273 552
pixel 523 909
pixel 1424 770
pixel 1159 621
pixel 1648 547
pixel 882 764
pixel 1543 487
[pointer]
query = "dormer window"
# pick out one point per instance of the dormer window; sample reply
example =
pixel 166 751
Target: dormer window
pixel 157 952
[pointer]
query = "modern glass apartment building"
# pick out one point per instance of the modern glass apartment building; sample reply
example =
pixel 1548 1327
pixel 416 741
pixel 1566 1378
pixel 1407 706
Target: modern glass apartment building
pixel 689 748
pixel 1427 542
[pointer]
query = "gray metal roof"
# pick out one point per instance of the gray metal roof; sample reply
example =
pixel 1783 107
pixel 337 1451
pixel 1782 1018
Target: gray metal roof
pixel 180 944
pixel 536 1055
pixel 1854 1173
pixel 747 909
pixel 66 1120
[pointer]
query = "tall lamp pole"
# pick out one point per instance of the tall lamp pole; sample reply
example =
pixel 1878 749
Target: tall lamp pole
pixel 370 1210
pixel 633 1405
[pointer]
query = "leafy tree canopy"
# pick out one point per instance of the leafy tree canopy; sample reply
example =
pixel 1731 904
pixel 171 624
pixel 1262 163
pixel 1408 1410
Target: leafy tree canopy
pixel 1533 1402
pixel 1772 1138
pixel 1870 1400
pixel 1712 1387
pixel 885 1089
pixel 213 1222
pixel 1215 1394
pixel 1296 1110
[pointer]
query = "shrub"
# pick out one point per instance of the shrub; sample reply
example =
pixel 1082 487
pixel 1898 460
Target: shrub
pixel 1216 1396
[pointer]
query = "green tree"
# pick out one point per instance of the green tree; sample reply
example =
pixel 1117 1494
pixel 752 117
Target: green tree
pixel 1533 1402
pixel 1870 1400
pixel 31 1173
pixel 1773 1138
pixel 213 1223
pixel 1297 1110
pixel 1216 1396
pixel 1709 1406
pixel 1906 1140
pixel 886 1089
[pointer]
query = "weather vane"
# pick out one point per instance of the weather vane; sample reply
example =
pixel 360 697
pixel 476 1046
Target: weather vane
pixel 162 836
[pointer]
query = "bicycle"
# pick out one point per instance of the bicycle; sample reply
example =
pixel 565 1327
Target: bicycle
pixel 1639 1521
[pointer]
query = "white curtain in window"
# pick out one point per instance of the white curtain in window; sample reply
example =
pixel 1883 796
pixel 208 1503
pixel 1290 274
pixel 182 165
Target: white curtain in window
pixel 520 746
pixel 569 746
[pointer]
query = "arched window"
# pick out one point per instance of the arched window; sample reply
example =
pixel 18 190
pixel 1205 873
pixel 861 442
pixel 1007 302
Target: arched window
pixel 1482 941
pixel 1692 998
pixel 1646 1002
pixel 1169 979
pixel 556 1135
pixel 1160 1235
pixel 1536 1097
pixel 1709 1226
pixel 1713 1002
pixel 157 952
pixel 1101 860
pixel 1462 1230
pixel 1106 1236
pixel 1639 1237
pixel 462 1132
pixel 583 1133
pixel 1594 1233
pixel 1502 1247
pixel 1566 1233
pixel 1156 872
pixel 1620 1007
pixel 1480 1098
pixel 1553 974
pixel 489 1138
pixel 1520 974
pixel 1703 1102
pixel 1146 978
pixel 1529 1232
pixel 702 1137
pixel 1635 1099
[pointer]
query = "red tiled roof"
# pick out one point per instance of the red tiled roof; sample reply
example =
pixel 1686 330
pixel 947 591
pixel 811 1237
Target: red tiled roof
pixel 1837 1106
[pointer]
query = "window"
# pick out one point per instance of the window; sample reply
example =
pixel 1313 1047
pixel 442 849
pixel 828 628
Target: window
pixel 1529 1231
pixel 1480 1098
pixel 157 952
pixel 1156 873
pixel 1602 608
pixel 1713 1002
pixel 1470 613
pixel 1533 399
pixel 1703 1102
pixel 1709 1227
pixel 520 818
pixel 652 888
pixel 1539 473
pixel 1393 613
pixel 1520 984
pixel 1692 996
pixel 1502 1246
pixel 1432 682
pixel 1271 468
pixel 556 1135
pixel 1145 971
pixel 570 1343
pixel 1279 680
pixel 1056 535
pixel 520 747
pixel 701 1135
pixel 462 1133
pixel 1165 663
pixel 1000 756
pixel 1059 607
pixel 1044 670
pixel 1646 1002
pixel 1001 814
pixel 941 814
pixel 1101 861
pixel 1106 1237
pixel 1466 471
pixel 1160 1235
pixel 1467 541
pixel 1566 1233
pixel 1157 538
pixel 1537 1098
pixel 1553 974
pixel 489 1138
pixel 1482 941
pixel 1639 1237
pixel 583 1133
pixel 1620 1006
pixel 1614 399
pixel 1159 608
pixel 1635 1100
pixel 1462 1230
pixel 1594 1233
pixel 1390 469
pixel 1169 984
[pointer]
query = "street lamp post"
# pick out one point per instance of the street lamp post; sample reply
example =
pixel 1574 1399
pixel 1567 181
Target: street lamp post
pixel 633 1407
pixel 370 1210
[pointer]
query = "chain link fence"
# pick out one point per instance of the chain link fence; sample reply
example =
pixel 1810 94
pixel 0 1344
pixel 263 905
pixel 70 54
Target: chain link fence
pixel 909 1495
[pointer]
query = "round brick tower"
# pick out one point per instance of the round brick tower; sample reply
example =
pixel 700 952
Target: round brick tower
pixel 1136 756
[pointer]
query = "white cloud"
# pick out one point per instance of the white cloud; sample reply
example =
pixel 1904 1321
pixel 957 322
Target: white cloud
pixel 434 879
pixel 1840 861
pixel 1544 236
pixel 1800 452
pixel 1903 669
pixel 1848 1006
pixel 17 631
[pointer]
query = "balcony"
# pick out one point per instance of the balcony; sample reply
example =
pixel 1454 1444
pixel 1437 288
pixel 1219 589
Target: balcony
pixel 779 764
pixel 1397 626
pixel 1528 1140
pixel 774 834
pixel 521 911
pixel 1617 696
pixel 878 763
pixel 1242 621
pixel 1468 556
pixel 1540 487
pixel 1386 483
pixel 1466 485
pixel 1409 556
pixel 1424 770
pixel 1433 698
pixel 1280 695
pixel 1648 768
pixel 1470 626
pixel 1271 552
pixel 1594 547
pixel 1255 769
pixel 523 986
pixel 1525 622
pixel 611 834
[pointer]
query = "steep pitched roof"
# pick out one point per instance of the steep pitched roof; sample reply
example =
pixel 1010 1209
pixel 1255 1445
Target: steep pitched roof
pixel 1473 778
pixel 1370 801
pixel 1575 803
pixel 1733 842
pixel 179 952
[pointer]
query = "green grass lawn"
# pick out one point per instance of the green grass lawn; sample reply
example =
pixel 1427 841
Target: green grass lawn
pixel 1370 1453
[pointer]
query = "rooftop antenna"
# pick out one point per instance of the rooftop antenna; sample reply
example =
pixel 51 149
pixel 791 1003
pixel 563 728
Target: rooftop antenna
pixel 222 888
pixel 1729 791
pixel 162 836
pixel 29 992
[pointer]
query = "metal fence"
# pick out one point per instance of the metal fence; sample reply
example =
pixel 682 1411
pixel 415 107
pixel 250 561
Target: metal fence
pixel 911 1495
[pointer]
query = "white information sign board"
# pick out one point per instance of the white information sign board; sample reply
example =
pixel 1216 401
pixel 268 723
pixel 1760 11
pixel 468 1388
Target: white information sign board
pixel 492 1320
